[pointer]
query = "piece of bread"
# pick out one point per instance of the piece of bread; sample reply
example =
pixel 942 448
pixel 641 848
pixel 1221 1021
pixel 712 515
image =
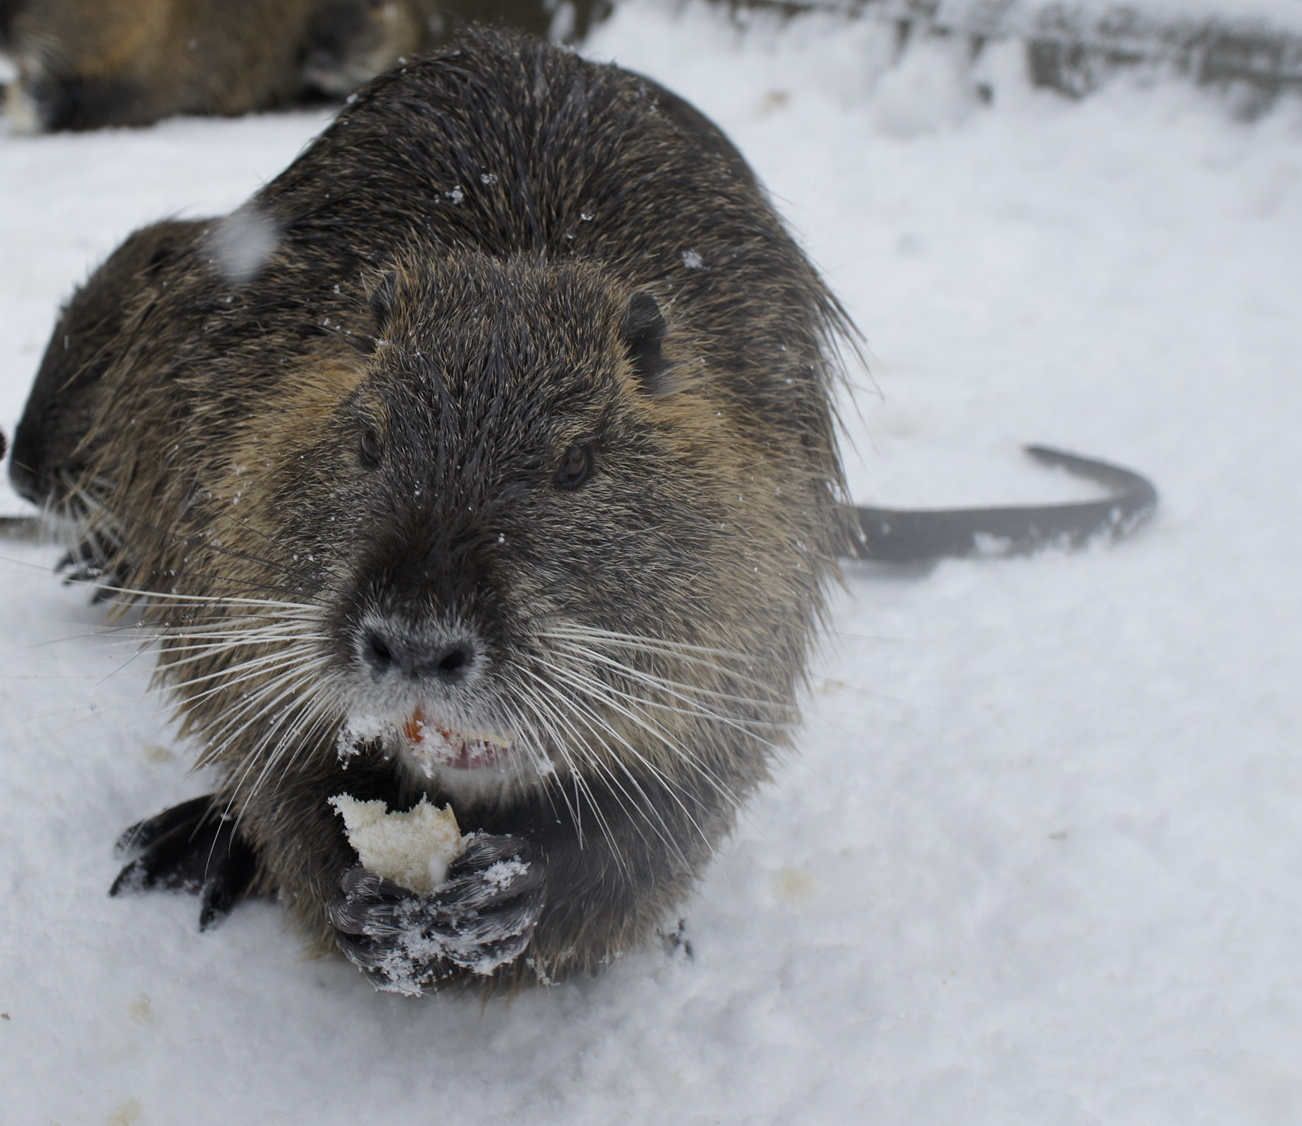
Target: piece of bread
pixel 413 849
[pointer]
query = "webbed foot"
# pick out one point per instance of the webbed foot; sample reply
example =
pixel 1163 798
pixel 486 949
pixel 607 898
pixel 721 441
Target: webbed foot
pixel 191 847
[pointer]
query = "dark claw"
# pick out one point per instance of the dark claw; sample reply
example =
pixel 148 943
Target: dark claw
pixel 91 562
pixel 227 884
pixel 190 847
pixel 74 572
pixel 480 918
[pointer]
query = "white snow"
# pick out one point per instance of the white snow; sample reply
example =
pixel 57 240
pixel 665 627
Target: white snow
pixel 1041 855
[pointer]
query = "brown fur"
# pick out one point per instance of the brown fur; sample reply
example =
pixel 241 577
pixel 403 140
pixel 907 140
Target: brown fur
pixel 458 261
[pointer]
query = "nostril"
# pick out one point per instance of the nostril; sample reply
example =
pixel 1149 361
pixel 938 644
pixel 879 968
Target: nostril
pixel 454 663
pixel 376 651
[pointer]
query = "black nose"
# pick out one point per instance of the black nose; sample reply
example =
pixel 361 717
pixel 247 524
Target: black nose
pixel 388 652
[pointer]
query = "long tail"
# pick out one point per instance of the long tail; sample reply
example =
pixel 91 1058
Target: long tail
pixel 917 535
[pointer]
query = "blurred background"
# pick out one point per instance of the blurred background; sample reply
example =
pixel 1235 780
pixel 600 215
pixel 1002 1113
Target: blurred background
pixel 85 64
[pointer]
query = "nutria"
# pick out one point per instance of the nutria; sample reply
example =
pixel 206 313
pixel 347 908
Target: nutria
pixel 129 62
pixel 85 65
pixel 504 413
pixel 51 446
pixel 523 425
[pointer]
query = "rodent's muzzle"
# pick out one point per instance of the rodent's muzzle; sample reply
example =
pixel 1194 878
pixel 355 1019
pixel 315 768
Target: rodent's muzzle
pixel 421 620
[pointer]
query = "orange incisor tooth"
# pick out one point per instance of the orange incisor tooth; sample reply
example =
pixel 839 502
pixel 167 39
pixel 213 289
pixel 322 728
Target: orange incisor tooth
pixel 414 728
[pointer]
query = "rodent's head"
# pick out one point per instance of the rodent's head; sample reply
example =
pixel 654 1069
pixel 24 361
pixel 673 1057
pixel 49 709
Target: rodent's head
pixel 523 518
pixel 50 450
pixel 349 42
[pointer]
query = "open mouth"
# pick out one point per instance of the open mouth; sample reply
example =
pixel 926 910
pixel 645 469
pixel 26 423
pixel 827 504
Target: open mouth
pixel 433 745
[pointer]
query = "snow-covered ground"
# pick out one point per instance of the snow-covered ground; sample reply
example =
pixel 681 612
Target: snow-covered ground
pixel 1039 857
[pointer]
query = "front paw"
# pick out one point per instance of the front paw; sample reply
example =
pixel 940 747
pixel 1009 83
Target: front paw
pixel 479 919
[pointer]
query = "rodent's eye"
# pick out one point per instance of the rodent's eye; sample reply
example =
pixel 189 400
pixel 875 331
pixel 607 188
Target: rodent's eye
pixel 370 449
pixel 576 466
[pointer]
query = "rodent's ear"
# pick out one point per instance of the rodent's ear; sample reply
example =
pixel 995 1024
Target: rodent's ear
pixel 383 298
pixel 643 329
